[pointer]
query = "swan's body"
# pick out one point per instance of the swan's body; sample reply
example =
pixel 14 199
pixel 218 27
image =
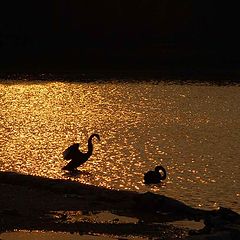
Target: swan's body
pixel 155 176
pixel 76 156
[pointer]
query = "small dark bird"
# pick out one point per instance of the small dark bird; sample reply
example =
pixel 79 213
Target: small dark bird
pixel 155 176
pixel 76 156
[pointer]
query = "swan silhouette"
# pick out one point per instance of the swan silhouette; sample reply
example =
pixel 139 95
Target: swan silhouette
pixel 155 176
pixel 76 156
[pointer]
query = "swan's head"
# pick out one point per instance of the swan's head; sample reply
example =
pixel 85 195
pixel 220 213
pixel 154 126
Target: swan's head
pixel 162 169
pixel 158 168
pixel 96 135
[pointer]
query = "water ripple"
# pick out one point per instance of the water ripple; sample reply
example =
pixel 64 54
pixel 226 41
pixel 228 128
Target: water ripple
pixel 193 131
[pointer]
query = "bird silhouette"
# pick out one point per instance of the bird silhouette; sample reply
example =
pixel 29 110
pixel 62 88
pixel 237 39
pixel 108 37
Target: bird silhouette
pixel 76 156
pixel 155 176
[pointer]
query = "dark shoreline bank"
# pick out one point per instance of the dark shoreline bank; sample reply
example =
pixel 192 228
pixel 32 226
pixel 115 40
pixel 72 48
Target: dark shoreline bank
pixel 28 202
pixel 178 75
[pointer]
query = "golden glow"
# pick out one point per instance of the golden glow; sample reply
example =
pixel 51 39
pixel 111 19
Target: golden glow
pixel 141 126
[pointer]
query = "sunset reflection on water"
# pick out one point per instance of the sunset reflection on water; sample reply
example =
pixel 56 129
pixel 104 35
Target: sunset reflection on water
pixel 193 131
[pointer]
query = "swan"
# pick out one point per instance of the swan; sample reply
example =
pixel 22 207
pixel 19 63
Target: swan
pixel 155 176
pixel 76 156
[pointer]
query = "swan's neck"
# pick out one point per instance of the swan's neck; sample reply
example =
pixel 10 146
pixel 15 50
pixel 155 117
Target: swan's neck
pixel 163 177
pixel 90 146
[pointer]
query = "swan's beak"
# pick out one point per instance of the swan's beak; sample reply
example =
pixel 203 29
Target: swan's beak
pixel 98 137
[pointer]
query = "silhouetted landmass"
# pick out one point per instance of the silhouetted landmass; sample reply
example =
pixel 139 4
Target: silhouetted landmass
pixel 38 203
pixel 179 36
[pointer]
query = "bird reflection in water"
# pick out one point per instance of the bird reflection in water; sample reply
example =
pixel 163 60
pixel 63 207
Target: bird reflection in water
pixel 155 176
pixel 77 157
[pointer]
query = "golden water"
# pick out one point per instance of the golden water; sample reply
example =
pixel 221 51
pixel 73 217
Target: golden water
pixel 193 131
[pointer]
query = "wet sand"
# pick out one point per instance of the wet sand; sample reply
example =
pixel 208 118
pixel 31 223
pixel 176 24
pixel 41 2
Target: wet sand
pixel 37 203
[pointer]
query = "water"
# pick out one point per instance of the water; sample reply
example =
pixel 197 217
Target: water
pixel 38 235
pixel 192 130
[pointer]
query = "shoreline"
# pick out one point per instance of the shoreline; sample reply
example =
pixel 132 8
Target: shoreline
pixel 38 203
pixel 177 75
